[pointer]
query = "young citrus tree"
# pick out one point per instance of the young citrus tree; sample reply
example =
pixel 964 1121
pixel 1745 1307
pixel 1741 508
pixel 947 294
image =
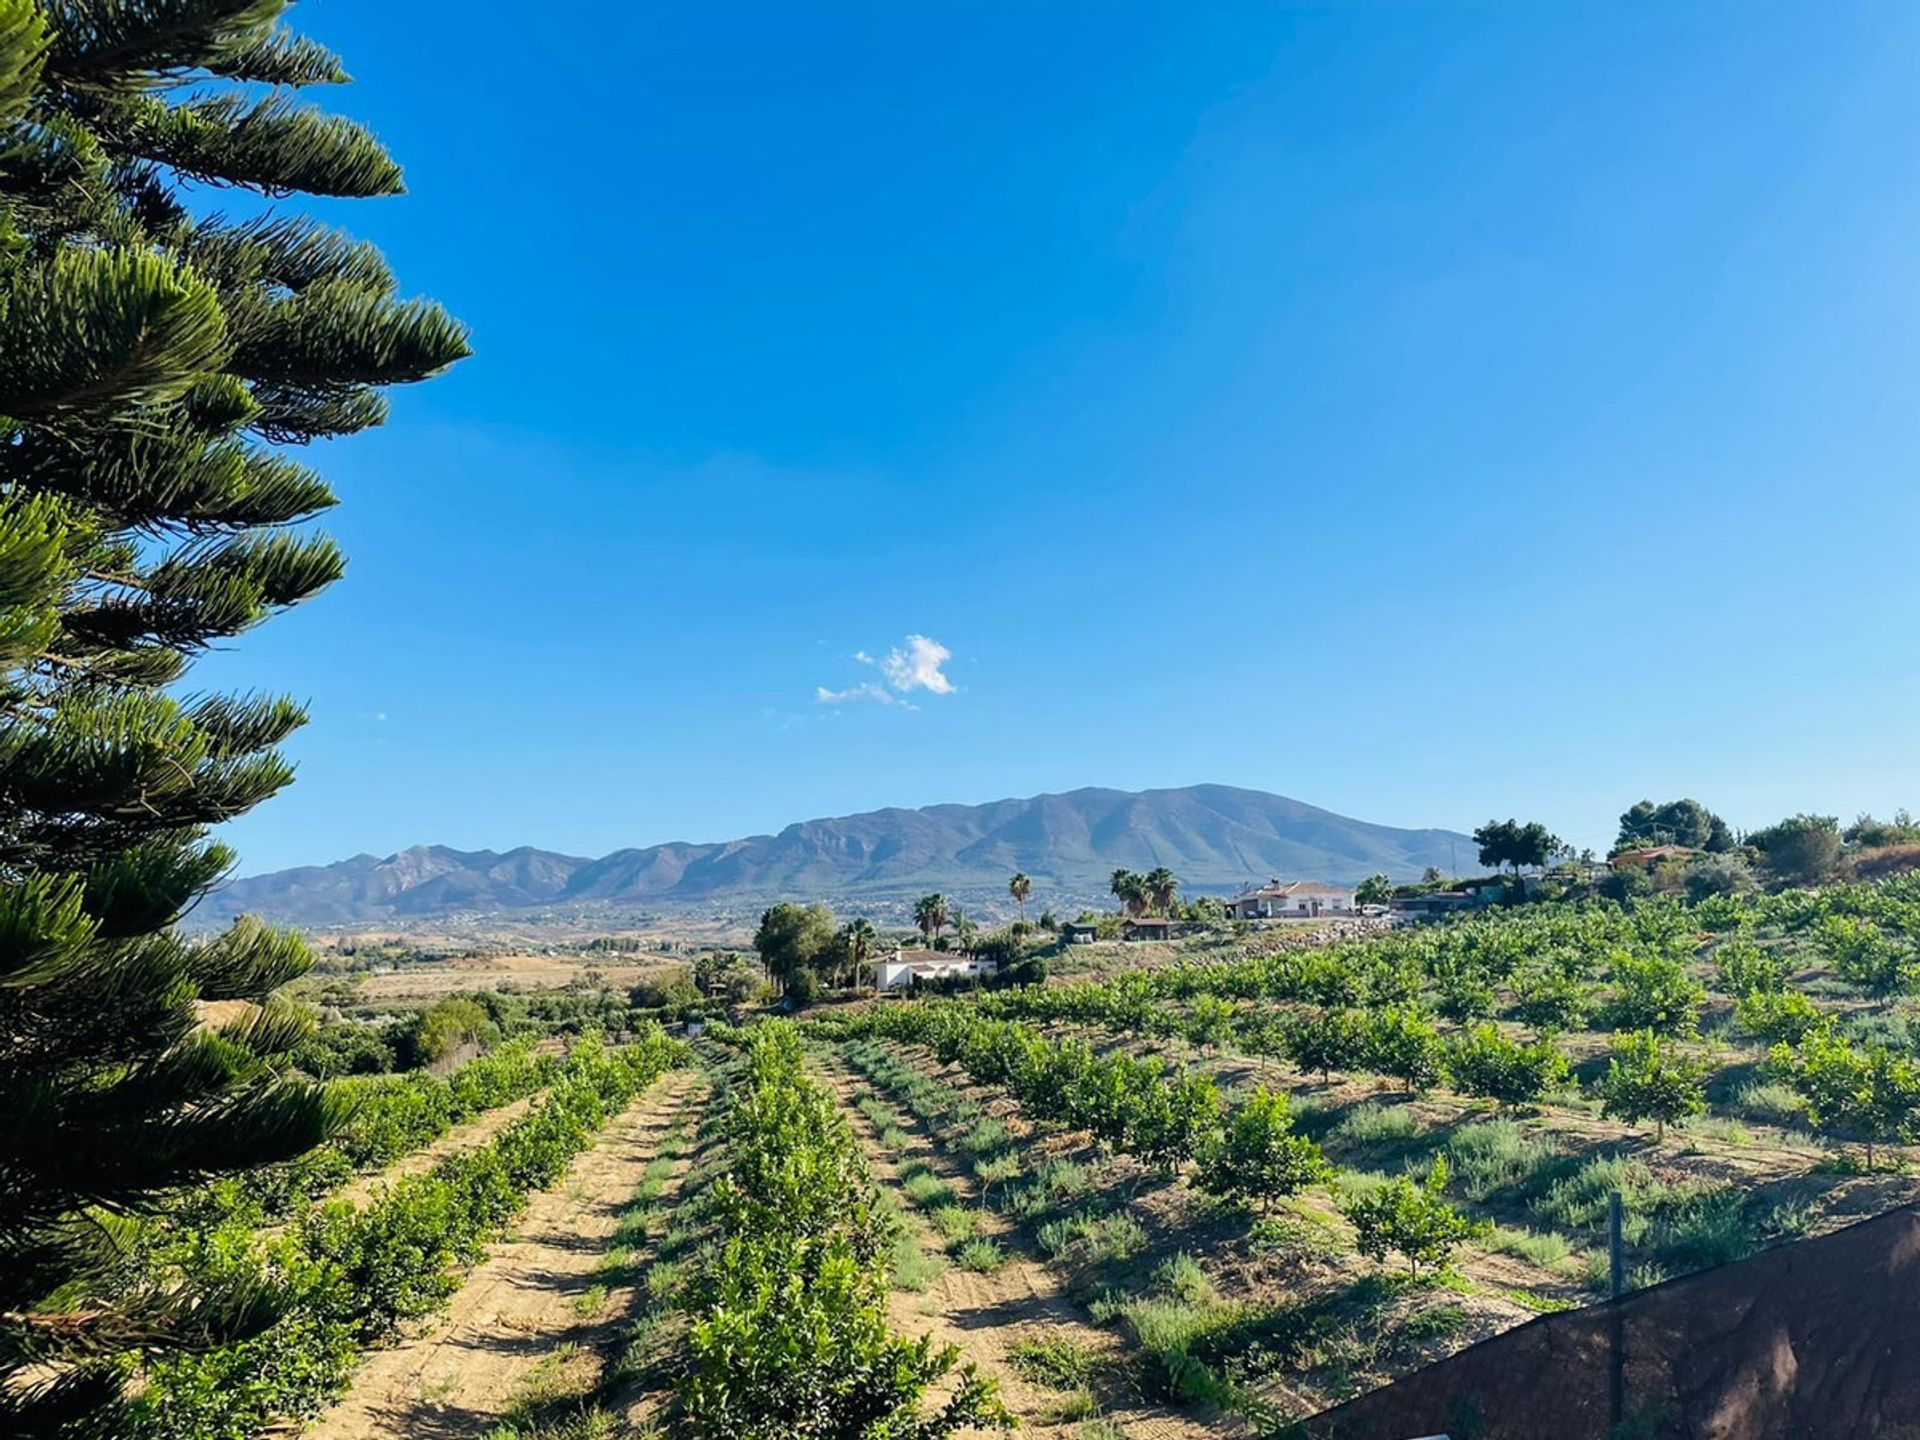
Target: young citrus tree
pixel 1649 1079
pixel 1258 1158
pixel 1411 1219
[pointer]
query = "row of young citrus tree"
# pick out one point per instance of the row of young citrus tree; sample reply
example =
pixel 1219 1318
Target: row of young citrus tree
pixel 787 1330
pixel 339 1278
pixel 390 1117
pixel 1244 1150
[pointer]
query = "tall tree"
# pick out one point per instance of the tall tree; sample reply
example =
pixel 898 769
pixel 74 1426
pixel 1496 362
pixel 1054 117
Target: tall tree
pixel 930 915
pixel 859 936
pixel 1161 886
pixel 1020 887
pixel 150 354
pixel 1508 842
pixel 793 938
pixel 1677 822
pixel 1130 889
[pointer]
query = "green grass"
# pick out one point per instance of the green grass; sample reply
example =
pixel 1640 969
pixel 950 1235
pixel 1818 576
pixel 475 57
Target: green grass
pixel 913 1268
pixel 1769 1104
pixel 1377 1125
pixel 982 1255
pixel 1496 1155
pixel 1092 1238
pixel 1102 1429
pixel 956 1225
pixel 591 1302
pixel 927 1190
pixel 1076 1405
pixel 1546 1248
pixel 1183 1279
pixel 1059 1361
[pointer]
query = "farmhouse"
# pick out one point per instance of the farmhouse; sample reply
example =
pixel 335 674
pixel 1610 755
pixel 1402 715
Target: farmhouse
pixel 1290 900
pixel 1148 927
pixel 909 968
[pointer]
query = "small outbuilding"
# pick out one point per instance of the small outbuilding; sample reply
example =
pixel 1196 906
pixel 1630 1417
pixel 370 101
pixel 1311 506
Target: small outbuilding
pixel 1148 927
pixel 1076 933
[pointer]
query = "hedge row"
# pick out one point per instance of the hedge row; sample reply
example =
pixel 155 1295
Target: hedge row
pixel 787 1332
pixel 392 1116
pixel 342 1278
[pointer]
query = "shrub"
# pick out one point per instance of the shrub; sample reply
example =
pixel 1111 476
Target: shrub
pixel 982 1255
pixel 1413 1220
pixel 1257 1157
pixel 1496 1155
pixel 1776 1015
pixel 1488 1064
pixel 1404 1044
pixel 1059 1361
pixel 1651 992
pixel 913 1268
pixel 1648 1079
pixel 1372 1124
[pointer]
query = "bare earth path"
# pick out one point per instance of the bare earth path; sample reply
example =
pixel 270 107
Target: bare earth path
pixel 987 1316
pixel 519 1304
pixel 469 1136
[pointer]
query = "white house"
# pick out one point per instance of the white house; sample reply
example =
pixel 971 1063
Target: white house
pixel 909 968
pixel 1294 900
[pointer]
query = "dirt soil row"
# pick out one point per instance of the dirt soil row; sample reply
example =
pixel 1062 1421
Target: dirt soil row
pixel 529 1298
pixel 988 1315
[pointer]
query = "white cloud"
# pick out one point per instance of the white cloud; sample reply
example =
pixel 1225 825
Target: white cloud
pixel 878 693
pixel 917 667
pixel 915 664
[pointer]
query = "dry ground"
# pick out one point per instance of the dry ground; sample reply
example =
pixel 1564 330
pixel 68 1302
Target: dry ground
pixel 527 1300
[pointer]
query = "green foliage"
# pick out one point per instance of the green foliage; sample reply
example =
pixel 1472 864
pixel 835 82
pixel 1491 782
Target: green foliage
pixel 1802 849
pixel 1777 1015
pixel 1864 955
pixel 1508 842
pixel 795 941
pixel 1403 1043
pixel 1677 822
pixel 1648 1078
pixel 1652 991
pixel 1374 890
pixel 1744 968
pixel 787 1331
pixel 1412 1220
pixel 1870 1094
pixel 1486 1063
pixel 1328 1041
pixel 350 1276
pixel 1257 1158
pixel 154 359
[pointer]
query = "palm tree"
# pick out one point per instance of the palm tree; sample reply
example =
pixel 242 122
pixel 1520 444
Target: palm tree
pixel 965 933
pixel 1130 890
pixel 1161 886
pixel 860 937
pixel 1020 887
pixel 930 914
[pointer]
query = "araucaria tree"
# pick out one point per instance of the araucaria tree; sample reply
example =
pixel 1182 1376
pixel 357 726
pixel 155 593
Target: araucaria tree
pixel 154 361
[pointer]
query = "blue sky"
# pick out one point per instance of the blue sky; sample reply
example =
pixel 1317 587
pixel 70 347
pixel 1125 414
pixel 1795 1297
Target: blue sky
pixel 1427 411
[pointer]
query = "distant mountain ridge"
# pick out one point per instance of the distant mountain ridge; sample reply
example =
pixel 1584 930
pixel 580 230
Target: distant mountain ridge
pixel 1214 837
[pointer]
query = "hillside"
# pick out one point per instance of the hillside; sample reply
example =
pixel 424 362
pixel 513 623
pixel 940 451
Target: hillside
pixel 1214 837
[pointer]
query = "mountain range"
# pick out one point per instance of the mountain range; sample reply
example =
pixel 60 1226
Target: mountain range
pixel 1214 837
